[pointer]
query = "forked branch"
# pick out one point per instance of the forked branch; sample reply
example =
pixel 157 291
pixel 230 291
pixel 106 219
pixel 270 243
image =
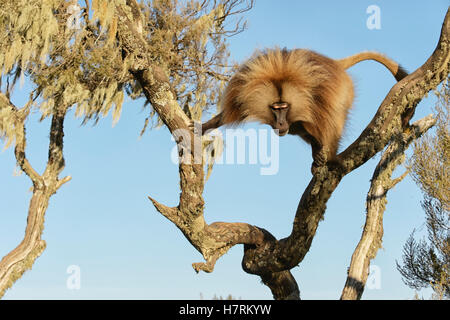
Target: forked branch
pixel 391 119
pixel 213 240
pixel 19 260
pixel 265 256
pixel 381 183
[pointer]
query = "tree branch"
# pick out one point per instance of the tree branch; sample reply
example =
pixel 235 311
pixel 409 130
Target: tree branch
pixel 18 121
pixel 21 259
pixel 263 254
pixel 213 240
pixel 382 182
pixel 397 107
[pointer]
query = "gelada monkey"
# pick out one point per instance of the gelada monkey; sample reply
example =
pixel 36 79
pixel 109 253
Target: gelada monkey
pixel 299 92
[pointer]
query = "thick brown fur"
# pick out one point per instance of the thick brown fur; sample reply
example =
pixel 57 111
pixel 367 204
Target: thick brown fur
pixel 317 89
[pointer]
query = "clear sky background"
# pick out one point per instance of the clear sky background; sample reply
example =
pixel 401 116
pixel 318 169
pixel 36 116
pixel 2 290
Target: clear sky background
pixel 103 222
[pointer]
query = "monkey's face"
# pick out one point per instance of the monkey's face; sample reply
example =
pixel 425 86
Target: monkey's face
pixel 280 123
pixel 273 102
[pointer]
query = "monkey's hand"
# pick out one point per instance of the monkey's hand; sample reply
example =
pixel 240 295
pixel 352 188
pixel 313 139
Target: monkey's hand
pixel 315 167
pixel 320 159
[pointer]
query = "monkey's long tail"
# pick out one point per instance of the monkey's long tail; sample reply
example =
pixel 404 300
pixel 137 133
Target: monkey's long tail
pixel 397 71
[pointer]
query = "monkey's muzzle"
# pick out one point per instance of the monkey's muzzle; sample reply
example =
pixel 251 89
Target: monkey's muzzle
pixel 280 125
pixel 281 133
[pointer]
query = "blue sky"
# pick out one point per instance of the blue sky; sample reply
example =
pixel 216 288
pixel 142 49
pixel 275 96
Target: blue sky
pixel 103 222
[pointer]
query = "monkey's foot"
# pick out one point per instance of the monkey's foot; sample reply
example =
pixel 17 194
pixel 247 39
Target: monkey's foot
pixel 320 156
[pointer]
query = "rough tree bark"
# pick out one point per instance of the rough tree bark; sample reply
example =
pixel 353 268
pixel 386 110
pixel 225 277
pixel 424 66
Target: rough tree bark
pixel 264 255
pixel 21 259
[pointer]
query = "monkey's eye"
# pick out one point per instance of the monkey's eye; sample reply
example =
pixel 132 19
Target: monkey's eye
pixel 279 105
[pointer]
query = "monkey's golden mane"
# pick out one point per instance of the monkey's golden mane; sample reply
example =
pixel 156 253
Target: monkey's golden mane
pixel 299 92
pixel 317 88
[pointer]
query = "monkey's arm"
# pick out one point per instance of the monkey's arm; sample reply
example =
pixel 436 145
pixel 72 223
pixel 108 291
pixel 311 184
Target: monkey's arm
pixel 213 123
